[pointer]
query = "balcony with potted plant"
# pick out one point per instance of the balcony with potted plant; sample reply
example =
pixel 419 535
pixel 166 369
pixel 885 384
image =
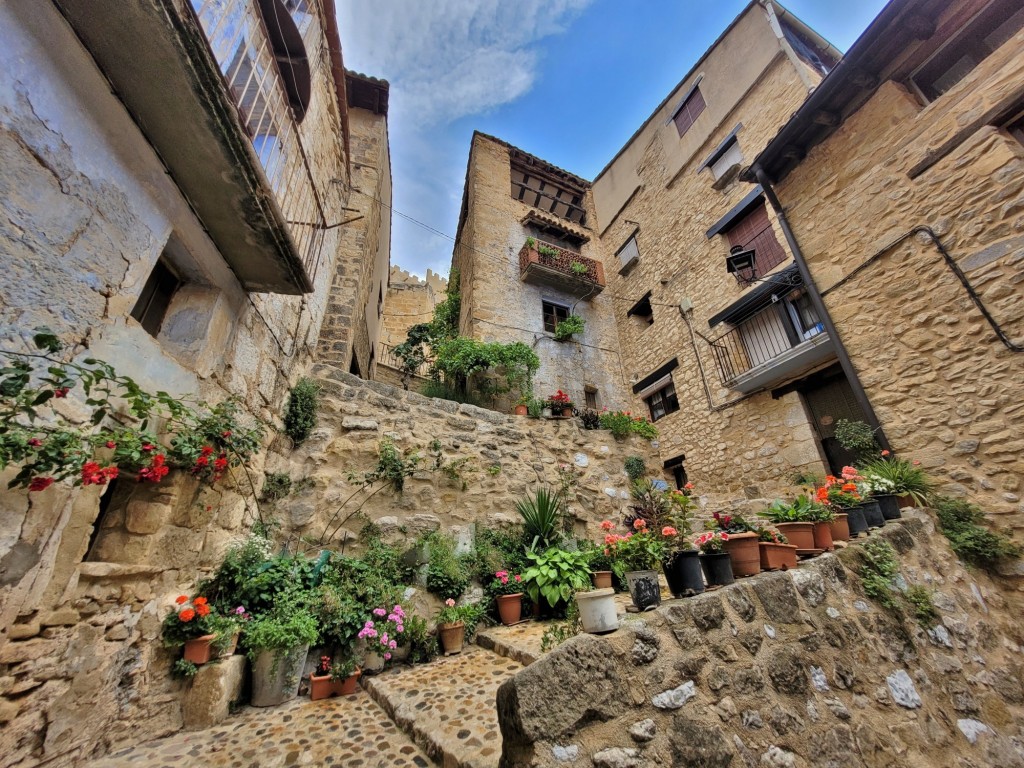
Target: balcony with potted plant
pixel 546 264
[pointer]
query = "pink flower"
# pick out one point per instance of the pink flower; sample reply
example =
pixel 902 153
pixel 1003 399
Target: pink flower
pixel 607 525
pixel 885 453
pixel 725 536
pixel 387 657
pixel 379 612
pixel 518 577
pixel 668 530
pixel 916 463
pixel 849 473
pixel 35 442
pixel 450 603
pixel 639 524
pixel 392 645
pixel 688 486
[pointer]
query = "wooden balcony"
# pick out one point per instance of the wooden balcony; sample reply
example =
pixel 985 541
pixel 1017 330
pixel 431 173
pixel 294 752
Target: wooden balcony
pixel 542 263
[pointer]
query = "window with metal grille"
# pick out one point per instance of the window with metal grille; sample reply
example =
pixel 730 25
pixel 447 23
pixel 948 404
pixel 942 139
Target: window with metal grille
pixel 628 253
pixel 975 41
pixel 689 111
pixel 155 298
pixel 553 315
pixel 754 232
pixel 662 401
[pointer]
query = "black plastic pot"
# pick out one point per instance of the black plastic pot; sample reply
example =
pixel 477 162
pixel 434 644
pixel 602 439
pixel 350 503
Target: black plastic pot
pixel 683 573
pixel 872 513
pixel 889 505
pixel 717 569
pixel 644 589
pixel 856 520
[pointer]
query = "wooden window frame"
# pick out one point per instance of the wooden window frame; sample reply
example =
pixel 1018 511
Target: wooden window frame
pixel 691 108
pixel 664 400
pixel 554 315
pixel 754 230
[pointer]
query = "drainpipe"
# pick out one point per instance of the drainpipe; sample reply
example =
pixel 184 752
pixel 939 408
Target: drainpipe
pixel 819 306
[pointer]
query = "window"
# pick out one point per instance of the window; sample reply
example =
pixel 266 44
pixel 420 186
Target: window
pixel 553 315
pixel 689 110
pixel 754 231
pixel 675 466
pixel 989 29
pixel 642 311
pixel 804 317
pixel 590 394
pixel 628 253
pixel 727 160
pixel 156 297
pixel 662 400
pixel 547 188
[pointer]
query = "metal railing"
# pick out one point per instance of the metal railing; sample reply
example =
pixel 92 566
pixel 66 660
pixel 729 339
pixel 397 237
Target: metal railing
pixel 238 38
pixel 756 341
pixel 386 356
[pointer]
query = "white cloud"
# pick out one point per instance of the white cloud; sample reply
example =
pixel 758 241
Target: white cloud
pixel 445 60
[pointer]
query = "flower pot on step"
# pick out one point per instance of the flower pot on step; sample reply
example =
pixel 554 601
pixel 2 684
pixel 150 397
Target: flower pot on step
pixel 777 557
pixel 742 548
pixel 889 505
pixel 823 537
pixel 799 534
pixel 644 589
pixel 199 650
pixel 276 676
pixel 856 521
pixel 602 579
pixel 597 611
pixel 683 574
pixel 510 608
pixel 521 410
pixel 348 686
pixel 717 568
pixel 840 527
pixel 452 636
pixel 872 513
pixel 320 687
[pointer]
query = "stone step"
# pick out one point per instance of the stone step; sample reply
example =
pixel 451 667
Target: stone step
pixel 350 732
pixel 448 707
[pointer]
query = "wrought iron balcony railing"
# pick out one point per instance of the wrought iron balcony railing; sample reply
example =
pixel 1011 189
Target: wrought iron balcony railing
pixel 547 264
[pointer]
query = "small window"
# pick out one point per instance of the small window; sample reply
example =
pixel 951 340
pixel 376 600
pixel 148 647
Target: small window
pixel 642 311
pixel 678 470
pixel 628 253
pixel 380 300
pixel 662 401
pixel 151 308
pixel 553 315
pixel 689 110
pixel 754 232
pixel 590 393
pixel 728 160
pixel 976 40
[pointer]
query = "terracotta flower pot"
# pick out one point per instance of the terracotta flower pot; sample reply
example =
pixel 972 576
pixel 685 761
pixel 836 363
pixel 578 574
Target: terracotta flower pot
pixel 823 537
pixel 840 528
pixel 510 608
pixel 521 410
pixel 320 687
pixel 799 534
pixel 602 579
pixel 452 636
pixel 348 686
pixel 231 647
pixel 742 548
pixel 777 557
pixel 906 502
pixel 199 649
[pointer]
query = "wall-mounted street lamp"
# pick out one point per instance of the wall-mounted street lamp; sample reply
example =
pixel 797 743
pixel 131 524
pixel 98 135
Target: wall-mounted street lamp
pixel 741 260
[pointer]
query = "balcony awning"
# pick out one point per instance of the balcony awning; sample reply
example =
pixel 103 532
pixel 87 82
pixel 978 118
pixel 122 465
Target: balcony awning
pixel 779 283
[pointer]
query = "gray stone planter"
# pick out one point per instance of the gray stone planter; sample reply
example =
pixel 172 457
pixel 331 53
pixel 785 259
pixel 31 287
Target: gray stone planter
pixel 276 676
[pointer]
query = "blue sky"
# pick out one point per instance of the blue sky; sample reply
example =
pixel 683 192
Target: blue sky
pixel 567 80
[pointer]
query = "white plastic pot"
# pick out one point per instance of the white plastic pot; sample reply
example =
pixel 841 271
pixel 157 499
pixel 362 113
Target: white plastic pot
pixel 597 611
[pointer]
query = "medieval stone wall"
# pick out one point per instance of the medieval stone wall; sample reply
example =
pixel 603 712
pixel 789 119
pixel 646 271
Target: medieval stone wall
pixel 410 301
pixel 751 448
pixel 945 389
pixel 787 669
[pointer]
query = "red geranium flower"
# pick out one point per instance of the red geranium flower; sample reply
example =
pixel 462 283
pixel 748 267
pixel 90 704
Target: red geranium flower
pixel 206 450
pixel 35 442
pixel 187 615
pixel 181 600
pixel 61 391
pixel 226 433
pixel 40 483
pixel 111 444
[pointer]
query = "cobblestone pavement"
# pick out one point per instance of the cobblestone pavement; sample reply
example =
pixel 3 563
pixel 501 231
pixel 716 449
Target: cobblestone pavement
pixel 348 732
pixel 449 705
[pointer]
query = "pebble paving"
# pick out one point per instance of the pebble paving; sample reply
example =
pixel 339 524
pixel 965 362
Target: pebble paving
pixel 348 732
pixel 449 705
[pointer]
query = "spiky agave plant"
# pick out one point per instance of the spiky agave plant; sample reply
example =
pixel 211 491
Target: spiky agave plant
pixel 542 517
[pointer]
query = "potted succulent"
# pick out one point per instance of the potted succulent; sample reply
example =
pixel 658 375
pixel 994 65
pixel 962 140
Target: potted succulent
pixel 197 627
pixel 714 560
pixel 777 554
pixel 794 520
pixel 508 594
pixel 741 544
pixel 560 405
pixel 634 558
pixel 331 678
pixel 454 624
pixel 277 644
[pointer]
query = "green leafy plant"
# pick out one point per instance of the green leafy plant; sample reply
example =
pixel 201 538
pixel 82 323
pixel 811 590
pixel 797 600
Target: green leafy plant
pixel 565 330
pixel 856 437
pixel 448 574
pixel 300 415
pixel 578 268
pixel 623 423
pixel 878 567
pixel 920 599
pixel 591 419
pixel 635 467
pixel 285 628
pixel 560 631
pixel 422 645
pixel 531 243
pixel 534 407
pixel 542 517
pixel 459 359
pixel 494 470
pixel 470 615
pixel 803 509
pixel 907 477
pixel 961 523
pixel 639 550
pixel 184 668
pixel 547 250
pixel 555 575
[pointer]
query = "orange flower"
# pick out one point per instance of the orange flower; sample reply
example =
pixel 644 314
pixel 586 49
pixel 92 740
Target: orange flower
pixel 199 601
pixel 187 615
pixel 606 525
pixel 849 487
pixel 639 524
pixel 181 600
pixel 823 494
pixel 203 610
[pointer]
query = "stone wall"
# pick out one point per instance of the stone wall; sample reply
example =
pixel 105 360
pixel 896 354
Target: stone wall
pixel 352 327
pixel 410 301
pixel 497 305
pixel 945 389
pixel 786 669
pixel 750 448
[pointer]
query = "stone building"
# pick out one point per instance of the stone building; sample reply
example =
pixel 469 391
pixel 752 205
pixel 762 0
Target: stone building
pixel 902 179
pixel 527 255
pixel 354 322
pixel 409 301
pixel 175 194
